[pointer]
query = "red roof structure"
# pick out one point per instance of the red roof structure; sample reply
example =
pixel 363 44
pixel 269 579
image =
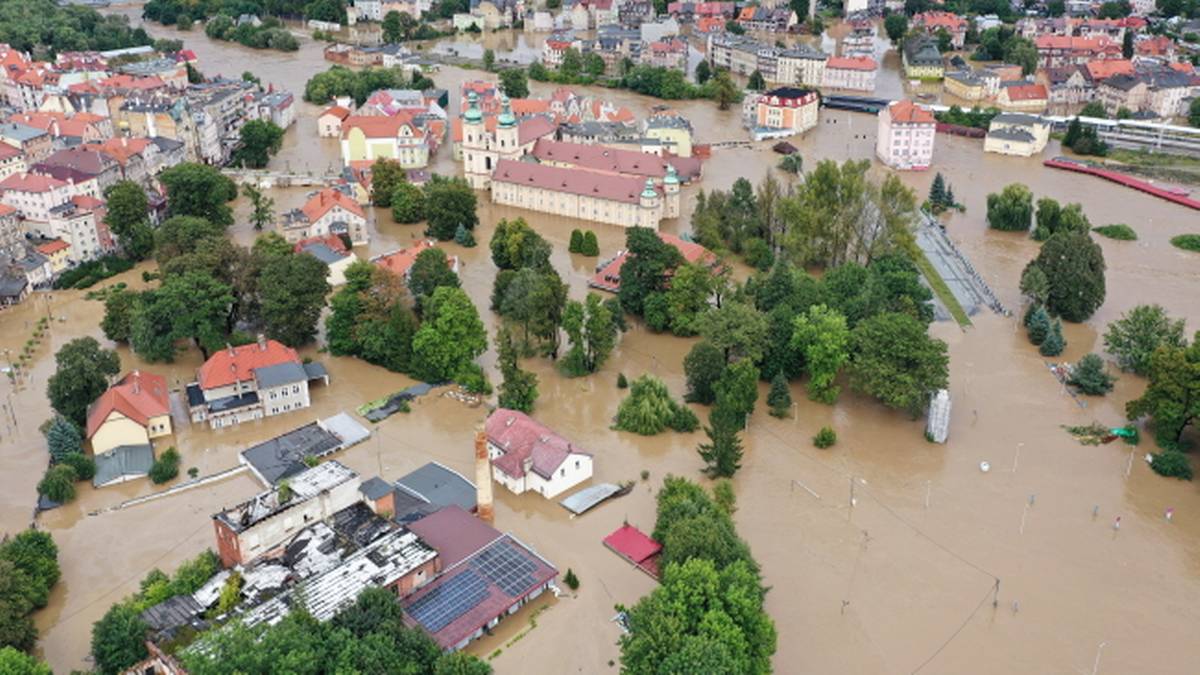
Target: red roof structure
pixel 600 158
pixel 454 534
pixel 237 364
pixel 400 262
pixel 528 445
pixel 53 246
pixel 608 277
pixel 865 63
pixel 578 181
pixel 328 198
pixel 635 546
pixel 1026 92
pixel 138 396
pixel 905 111
pixel 381 126
pixel 31 182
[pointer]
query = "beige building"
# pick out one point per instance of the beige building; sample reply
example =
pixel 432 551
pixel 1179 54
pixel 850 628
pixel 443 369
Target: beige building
pixel 250 382
pixel 329 211
pixel 133 412
pixel 1017 134
pixel 622 200
pixel 800 66
pixel 483 148
pixel 856 73
pixel 905 136
pixel 329 124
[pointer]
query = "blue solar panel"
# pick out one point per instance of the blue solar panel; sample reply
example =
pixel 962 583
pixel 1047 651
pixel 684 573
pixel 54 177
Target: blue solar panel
pixel 505 566
pixel 457 596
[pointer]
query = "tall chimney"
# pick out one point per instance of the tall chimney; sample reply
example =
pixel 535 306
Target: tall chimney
pixel 483 478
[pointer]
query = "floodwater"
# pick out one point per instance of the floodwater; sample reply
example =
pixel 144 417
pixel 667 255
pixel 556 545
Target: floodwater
pixel 903 581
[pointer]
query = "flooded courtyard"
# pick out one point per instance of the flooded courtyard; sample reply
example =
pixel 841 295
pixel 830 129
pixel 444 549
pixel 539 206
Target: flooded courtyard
pixel 936 568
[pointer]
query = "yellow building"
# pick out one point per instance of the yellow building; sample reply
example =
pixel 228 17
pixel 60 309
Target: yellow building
pixel 58 252
pixel 131 413
pixel 964 85
pixel 673 131
pixel 368 138
pixel 922 60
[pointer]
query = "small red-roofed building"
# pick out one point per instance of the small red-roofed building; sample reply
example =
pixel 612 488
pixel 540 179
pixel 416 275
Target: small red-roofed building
pixel 608 274
pixel 249 382
pixel 329 124
pixel 58 252
pixel 933 22
pixel 856 73
pixel 401 261
pixel 329 211
pixel 1027 97
pixel 527 456
pixel 785 111
pixel 905 136
pixel 134 411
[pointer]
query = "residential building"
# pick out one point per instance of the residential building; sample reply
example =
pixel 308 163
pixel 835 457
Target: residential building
pixel 134 411
pixel 922 60
pixel 331 251
pixel 608 273
pixel 1130 92
pixel 329 124
pixel 368 138
pixel 934 22
pixel 80 165
pixel 269 519
pixel 80 222
pixel 905 136
pixel 33 195
pixel 855 73
pixel 14 286
pixel 328 211
pixel 785 111
pixel 277 460
pixel 136 158
pixel 860 41
pixel 57 251
pixel 1023 96
pixel 527 456
pixel 669 52
pixel 261 379
pixel 1064 50
pixel 802 66
pixel 33 143
pixel 400 261
pixel 765 19
pixel 11 161
pixel 1067 87
pixel 674 132
pixel 1017 134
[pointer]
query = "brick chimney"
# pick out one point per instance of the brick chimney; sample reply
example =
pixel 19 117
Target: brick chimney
pixel 483 479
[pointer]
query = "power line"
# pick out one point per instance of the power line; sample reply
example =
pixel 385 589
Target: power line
pixel 953 635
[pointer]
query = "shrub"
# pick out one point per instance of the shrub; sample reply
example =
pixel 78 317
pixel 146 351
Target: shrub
pixel 1054 343
pixel 590 247
pixel 1091 377
pixel 758 254
pixel 84 466
pixel 1119 231
pixel 825 438
pixel 571 580
pixel 622 383
pixel 576 244
pixel 166 467
pixel 1173 464
pixel 464 238
pixel 1038 326
pixel 473 379
pixel 645 474
pixel 649 410
pixel 1187 242
pixel 193 472
pixel 58 484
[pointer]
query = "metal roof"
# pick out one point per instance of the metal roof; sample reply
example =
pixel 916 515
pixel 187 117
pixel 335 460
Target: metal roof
pixel 280 374
pixel 122 463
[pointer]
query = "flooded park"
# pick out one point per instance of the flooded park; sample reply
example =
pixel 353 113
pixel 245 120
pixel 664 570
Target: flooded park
pixel 883 554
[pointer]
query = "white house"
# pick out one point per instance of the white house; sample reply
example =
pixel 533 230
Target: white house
pixel 526 455
pixel 906 135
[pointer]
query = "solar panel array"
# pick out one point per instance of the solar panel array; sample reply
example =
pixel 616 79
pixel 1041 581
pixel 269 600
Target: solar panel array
pixel 457 596
pixel 506 567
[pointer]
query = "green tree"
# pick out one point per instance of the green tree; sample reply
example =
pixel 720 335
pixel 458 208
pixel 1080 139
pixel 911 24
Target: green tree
pixel 293 290
pixel 1054 344
pixel 1052 219
pixel 119 306
pixel 464 238
pixel 735 328
pixel 722 454
pixel 896 361
pixel 83 466
pixel 81 374
pixel 756 81
pixel 489 60
pixel 737 390
pixel 450 338
pixel 723 90
pixel 822 336
pixel 16 606
pixel 1074 266
pixel 125 207
pixel 780 396
pixel 408 203
pixel 1035 285
pixel 386 176
pixel 1091 377
pixel 1172 464
pixel 646 268
pixel 430 271
pixel 1011 209
pixel 593 64
pixel 576 241
pixel 1194 113
pixel 118 640
pixel 592 331
pixel 514 82
pixel 687 298
pixel 703 72
pixel 259 140
pixel 262 208
pixel 1093 109
pixel 1172 398
pixel 1038 325
pixel 199 190
pixel 181 235
pixel 572 64
pixel 825 438
pixel 393 29
pixel 590 246
pixel 518 391
pixel 449 202
pixel 1134 337
pixel 1022 52
pixel 166 467
pixel 516 245
pixel 535 299
pixel 13 662
pixel 649 410
pixel 63 438
pixel 34 559
pixel 58 483
pixel 895 25
pixel 937 191
pixel 703 367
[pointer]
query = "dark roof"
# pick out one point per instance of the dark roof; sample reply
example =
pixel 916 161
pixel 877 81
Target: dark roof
pixel 1008 134
pixel 315 370
pixel 283 456
pixel 172 614
pixel 233 402
pixel 288 372
pixel 123 462
pixel 12 286
pixel 322 252
pixel 359 525
pixel 195 396
pixel 375 488
pixel 439 486
pixel 789 92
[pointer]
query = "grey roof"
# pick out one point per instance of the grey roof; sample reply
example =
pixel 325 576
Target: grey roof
pixel 1123 82
pixel 12 286
pixel 20 132
pixel 166 144
pixel 440 486
pixel 315 370
pixel 1011 134
pixel 321 251
pixel 922 52
pixel 283 456
pixel 375 488
pixel 589 497
pixel 123 462
pixel 172 614
pixel 195 396
pixel 1018 118
pixel 280 374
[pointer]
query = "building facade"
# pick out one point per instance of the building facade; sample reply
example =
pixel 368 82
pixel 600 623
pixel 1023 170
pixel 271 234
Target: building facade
pixel 905 136
pixel 527 456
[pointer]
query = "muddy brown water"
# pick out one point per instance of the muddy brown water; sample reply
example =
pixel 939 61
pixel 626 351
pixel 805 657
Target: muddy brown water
pixel 887 586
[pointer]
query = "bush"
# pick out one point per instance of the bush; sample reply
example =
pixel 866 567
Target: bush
pixel 1187 242
pixel 84 466
pixel 590 247
pixel 576 243
pixel 649 410
pixel 825 438
pixel 1091 377
pixel 166 467
pixel 622 383
pixel 571 580
pixel 758 254
pixel 1118 231
pixel 58 484
pixel 473 379
pixel 1054 343
pixel 1173 464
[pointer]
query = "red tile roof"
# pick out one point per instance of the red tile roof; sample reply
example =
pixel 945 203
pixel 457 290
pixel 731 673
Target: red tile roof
pixel 337 111
pixel 534 128
pixel 138 396
pixel 907 112
pixel 53 246
pixel 608 278
pixel 31 182
pixel 935 20
pixel 1102 69
pixel 381 126
pixel 576 181
pixel 6 210
pixel 8 152
pixel 851 63
pixel 326 199
pixel 600 158
pixel 122 149
pixel 1026 92
pixel 237 364
pixel 401 261
pixel 333 241
pixel 524 439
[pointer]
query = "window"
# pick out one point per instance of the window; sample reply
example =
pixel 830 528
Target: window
pixel 576 464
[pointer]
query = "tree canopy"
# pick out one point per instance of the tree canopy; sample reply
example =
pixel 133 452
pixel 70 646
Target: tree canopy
pixel 199 190
pixel 1172 399
pixel 450 337
pixel 1134 337
pixel 1074 268
pixel 82 370
pixel 896 361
